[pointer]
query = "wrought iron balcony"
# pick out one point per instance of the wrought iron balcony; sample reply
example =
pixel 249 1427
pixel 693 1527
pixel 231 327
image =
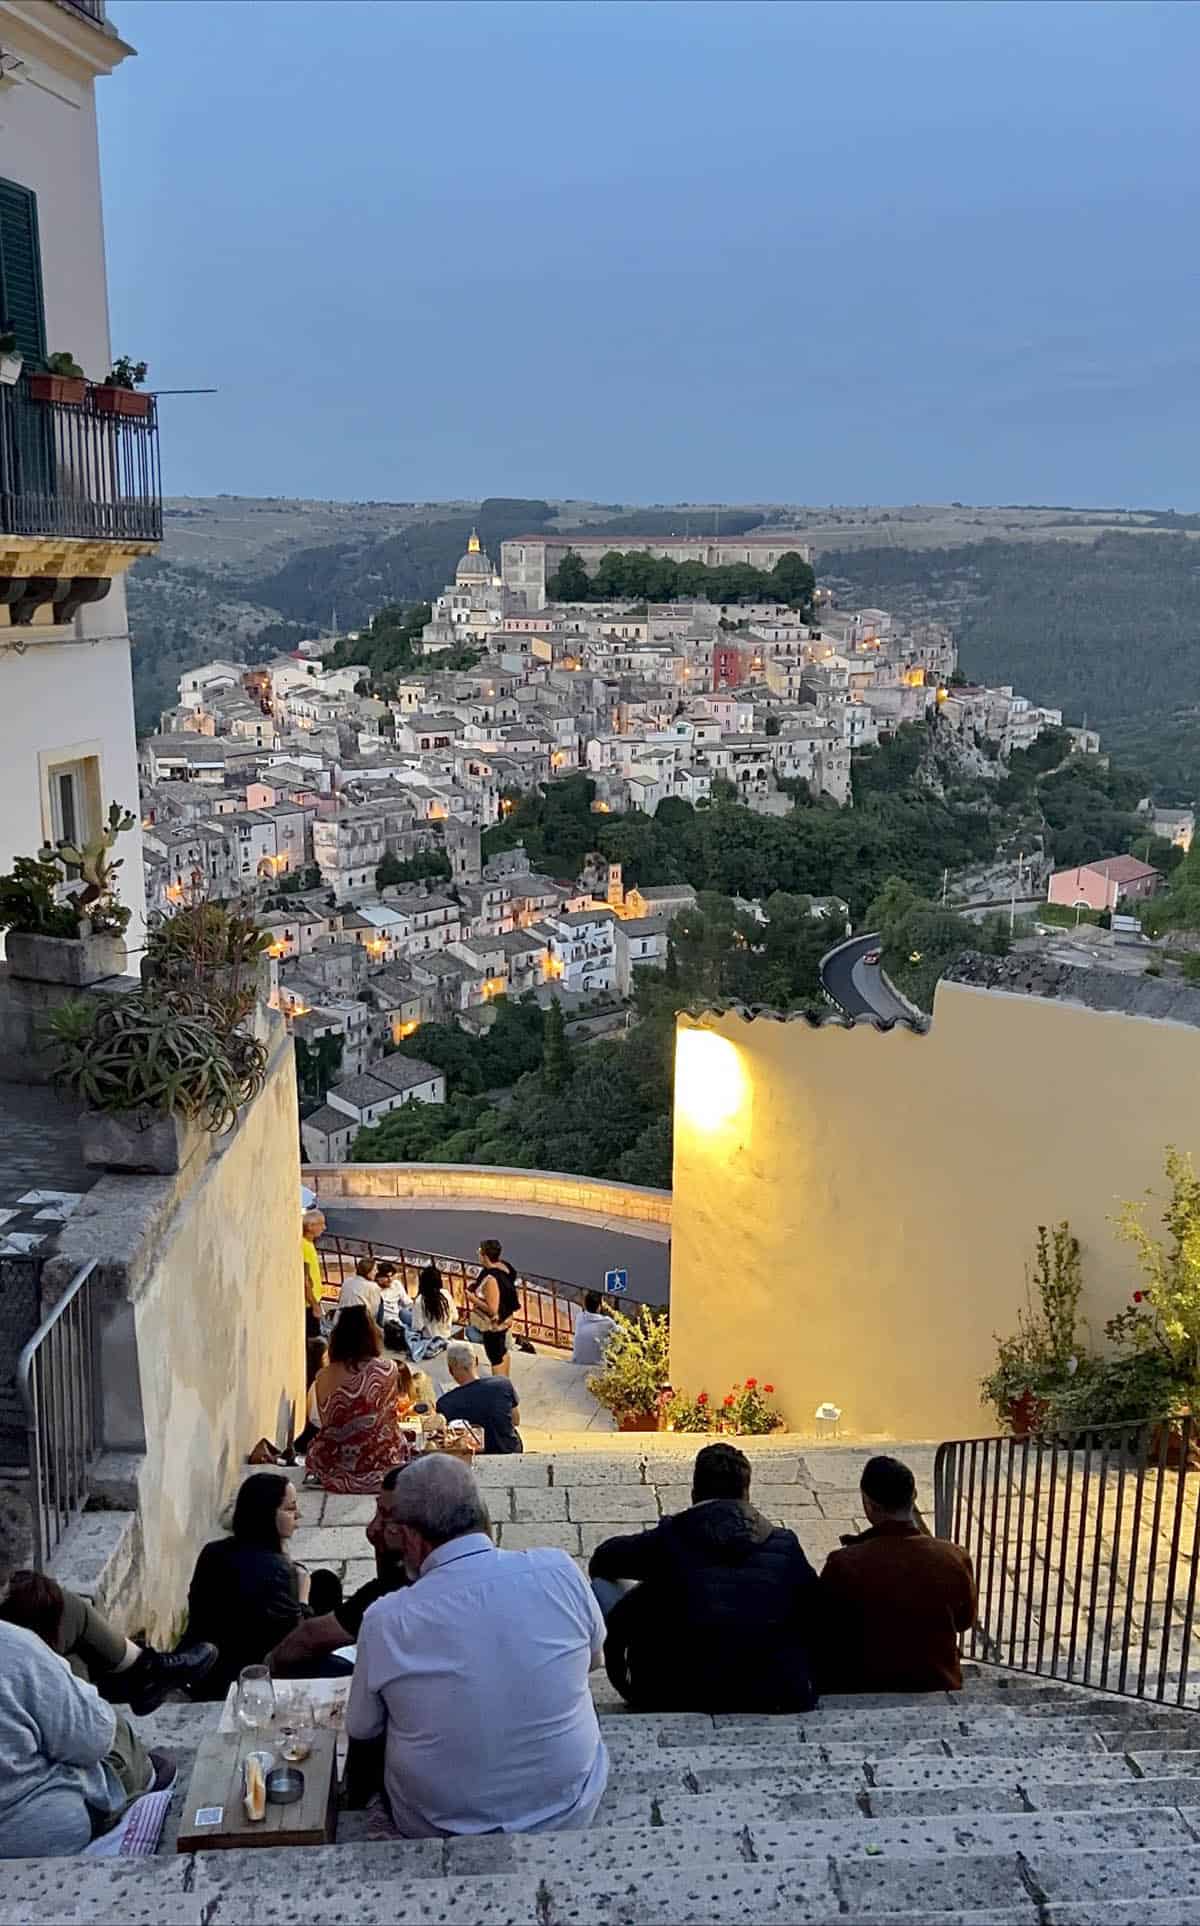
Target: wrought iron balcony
pixel 90 9
pixel 76 469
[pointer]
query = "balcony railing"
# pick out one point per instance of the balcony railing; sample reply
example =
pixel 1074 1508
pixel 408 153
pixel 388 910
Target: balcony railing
pixel 72 469
pixel 547 1311
pixel 90 9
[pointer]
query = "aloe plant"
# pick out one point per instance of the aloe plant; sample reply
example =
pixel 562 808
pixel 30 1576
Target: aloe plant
pixel 139 1051
pixel 211 951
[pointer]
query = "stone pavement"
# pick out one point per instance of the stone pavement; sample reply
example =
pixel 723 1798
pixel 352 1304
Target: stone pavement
pixel 42 1173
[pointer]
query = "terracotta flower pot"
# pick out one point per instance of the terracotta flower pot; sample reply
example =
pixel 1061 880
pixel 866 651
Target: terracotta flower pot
pixel 120 401
pixel 638 1421
pixel 1025 1414
pixel 55 387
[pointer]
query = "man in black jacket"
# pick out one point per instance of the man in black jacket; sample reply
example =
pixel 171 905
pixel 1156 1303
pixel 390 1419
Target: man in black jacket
pixel 720 1617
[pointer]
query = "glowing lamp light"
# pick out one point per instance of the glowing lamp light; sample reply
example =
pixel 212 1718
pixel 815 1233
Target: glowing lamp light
pixel 711 1085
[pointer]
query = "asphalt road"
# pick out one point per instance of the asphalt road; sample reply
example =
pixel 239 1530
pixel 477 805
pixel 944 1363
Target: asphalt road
pixel 857 987
pixel 572 1253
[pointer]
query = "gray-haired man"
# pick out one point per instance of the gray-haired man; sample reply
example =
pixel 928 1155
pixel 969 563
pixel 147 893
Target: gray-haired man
pixel 477 1674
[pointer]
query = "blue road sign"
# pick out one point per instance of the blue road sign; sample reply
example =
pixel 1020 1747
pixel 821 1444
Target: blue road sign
pixel 616 1283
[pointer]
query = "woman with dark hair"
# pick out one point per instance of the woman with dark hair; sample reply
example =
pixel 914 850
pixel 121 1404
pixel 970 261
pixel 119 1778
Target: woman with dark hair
pixel 246 1592
pixel 432 1315
pixel 355 1402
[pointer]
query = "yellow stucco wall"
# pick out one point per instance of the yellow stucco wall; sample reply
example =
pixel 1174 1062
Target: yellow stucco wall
pixel 854 1211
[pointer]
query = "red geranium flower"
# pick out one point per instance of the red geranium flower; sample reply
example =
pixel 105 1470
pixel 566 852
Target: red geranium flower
pixel 752 1384
pixel 729 1400
pixel 769 1390
pixel 1138 1296
pixel 703 1398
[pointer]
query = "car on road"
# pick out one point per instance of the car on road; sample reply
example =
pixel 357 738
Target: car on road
pixel 871 956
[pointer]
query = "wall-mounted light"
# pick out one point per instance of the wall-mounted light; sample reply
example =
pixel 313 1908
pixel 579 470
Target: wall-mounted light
pixel 711 1083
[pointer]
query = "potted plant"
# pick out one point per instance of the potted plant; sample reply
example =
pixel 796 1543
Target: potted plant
pixel 11 359
pixel 746 1413
pixel 58 933
pixel 632 1383
pixel 212 952
pixel 154 1077
pixel 117 395
pixel 1044 1352
pixel 62 379
pixel 1162 1322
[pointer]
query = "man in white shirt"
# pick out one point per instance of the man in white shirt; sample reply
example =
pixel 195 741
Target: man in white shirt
pixel 593 1329
pixel 360 1288
pixel 478 1673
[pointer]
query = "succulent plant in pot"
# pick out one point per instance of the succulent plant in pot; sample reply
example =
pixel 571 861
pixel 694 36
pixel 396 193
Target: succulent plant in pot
pixel 213 952
pixel 64 919
pixel 154 1076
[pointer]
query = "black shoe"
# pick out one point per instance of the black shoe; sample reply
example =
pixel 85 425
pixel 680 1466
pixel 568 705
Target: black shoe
pixel 165 1770
pixel 161 1672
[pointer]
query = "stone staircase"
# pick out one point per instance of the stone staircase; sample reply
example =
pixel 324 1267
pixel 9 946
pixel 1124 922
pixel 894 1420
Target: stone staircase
pixel 1014 1801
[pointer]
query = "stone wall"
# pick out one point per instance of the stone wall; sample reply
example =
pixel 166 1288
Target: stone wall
pixel 203 1347
pixel 855 1210
pixel 548 1190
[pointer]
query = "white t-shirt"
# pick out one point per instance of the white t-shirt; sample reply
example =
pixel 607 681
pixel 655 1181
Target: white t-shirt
pixel 592 1333
pixel 425 1326
pixel 360 1290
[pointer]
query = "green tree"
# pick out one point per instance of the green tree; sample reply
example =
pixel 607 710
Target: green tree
pixel 557 1067
pixel 318 1064
pixel 428 865
pixel 569 583
pixel 794 580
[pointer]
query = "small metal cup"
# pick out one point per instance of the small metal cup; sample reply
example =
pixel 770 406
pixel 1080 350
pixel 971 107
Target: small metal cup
pixel 285 1785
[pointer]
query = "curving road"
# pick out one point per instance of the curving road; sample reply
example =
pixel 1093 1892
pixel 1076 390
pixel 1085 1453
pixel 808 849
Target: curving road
pixel 856 986
pixel 574 1251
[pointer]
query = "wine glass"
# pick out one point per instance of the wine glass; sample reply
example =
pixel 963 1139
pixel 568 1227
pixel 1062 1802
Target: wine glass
pixel 255 1697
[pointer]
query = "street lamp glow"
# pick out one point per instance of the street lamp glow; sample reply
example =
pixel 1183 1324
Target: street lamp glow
pixel 711 1085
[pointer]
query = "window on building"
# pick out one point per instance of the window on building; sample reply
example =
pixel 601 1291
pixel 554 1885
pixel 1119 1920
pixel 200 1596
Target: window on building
pixel 21 269
pixel 73 795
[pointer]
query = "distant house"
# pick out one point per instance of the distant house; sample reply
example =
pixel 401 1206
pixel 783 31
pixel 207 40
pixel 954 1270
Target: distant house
pixel 1103 884
pixel 356 1101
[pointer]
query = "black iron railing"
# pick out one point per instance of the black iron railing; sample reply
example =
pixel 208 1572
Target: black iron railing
pixel 58 1383
pixel 1085 1551
pixel 75 469
pixel 90 9
pixel 548 1308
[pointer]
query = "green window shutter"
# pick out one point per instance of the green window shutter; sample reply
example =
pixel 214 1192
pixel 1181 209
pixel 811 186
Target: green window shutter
pixel 21 270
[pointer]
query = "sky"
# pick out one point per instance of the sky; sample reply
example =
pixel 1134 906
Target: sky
pixel 663 250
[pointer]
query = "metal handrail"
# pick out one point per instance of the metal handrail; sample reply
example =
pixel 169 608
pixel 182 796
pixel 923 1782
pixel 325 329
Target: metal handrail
pixel 58 1384
pixel 548 1307
pixel 1086 1550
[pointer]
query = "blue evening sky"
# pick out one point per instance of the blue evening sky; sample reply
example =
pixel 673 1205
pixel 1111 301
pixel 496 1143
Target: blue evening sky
pixel 659 250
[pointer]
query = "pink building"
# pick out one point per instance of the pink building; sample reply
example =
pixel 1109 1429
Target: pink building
pixel 1101 885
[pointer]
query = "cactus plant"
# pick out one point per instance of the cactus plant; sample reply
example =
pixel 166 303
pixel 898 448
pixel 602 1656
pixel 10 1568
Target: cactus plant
pixel 209 951
pixel 97 900
pixel 140 1052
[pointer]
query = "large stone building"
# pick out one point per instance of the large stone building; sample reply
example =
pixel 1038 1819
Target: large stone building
pixel 527 562
pixel 471 609
pixel 81 496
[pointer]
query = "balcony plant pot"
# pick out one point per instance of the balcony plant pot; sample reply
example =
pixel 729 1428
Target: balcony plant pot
pixel 57 387
pixel 639 1421
pixel 1026 1415
pixel 154 1142
pixel 120 401
pixel 76 961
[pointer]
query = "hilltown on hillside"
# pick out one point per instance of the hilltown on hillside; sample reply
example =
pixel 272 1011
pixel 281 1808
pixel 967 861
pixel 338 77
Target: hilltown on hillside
pixel 354 820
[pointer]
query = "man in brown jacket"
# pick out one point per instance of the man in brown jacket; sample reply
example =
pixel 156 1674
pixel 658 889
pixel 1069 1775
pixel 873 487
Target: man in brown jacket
pixel 895 1599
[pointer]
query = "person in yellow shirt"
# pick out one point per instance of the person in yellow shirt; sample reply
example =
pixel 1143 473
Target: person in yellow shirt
pixel 314 1224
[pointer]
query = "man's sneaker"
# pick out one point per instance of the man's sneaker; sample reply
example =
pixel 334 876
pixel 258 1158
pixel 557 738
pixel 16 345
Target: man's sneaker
pixel 158 1673
pixel 165 1770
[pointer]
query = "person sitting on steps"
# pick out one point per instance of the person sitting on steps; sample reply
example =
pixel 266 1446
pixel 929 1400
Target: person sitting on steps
pixel 124 1673
pixel 895 1599
pixel 491 1403
pixel 70 1765
pixel 722 1614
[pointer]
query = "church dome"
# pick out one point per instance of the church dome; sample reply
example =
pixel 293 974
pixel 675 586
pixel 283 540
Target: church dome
pixel 474 563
